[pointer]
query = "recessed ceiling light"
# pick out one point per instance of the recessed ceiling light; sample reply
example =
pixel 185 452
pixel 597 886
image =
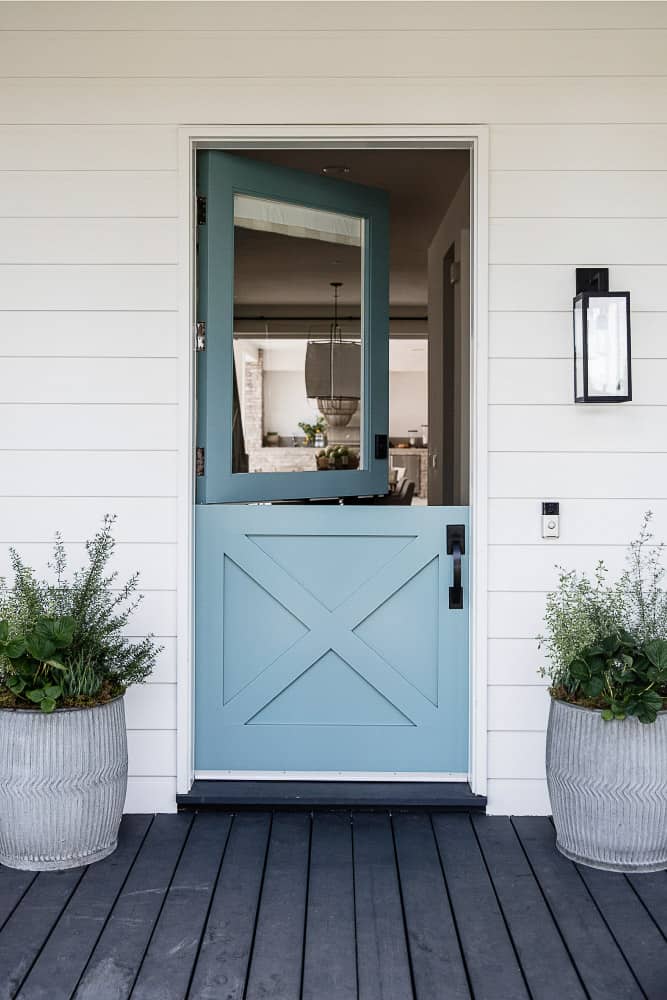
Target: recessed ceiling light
pixel 335 170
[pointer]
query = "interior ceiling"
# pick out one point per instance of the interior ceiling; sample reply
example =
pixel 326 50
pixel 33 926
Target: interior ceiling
pixel 278 271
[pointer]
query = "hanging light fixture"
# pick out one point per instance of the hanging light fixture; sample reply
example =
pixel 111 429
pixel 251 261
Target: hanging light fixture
pixel 333 372
pixel 602 355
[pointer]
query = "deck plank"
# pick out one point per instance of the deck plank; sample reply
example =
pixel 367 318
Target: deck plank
pixel 337 905
pixel 30 924
pixel 636 934
pixel 169 961
pixel 277 958
pixel 56 972
pixel 494 970
pixel 382 953
pixel 548 969
pixel 652 890
pixel 330 968
pixel 437 962
pixel 120 949
pixel 13 885
pixel 222 965
pixel 602 967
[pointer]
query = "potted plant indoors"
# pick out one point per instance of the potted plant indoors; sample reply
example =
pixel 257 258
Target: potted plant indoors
pixel 65 664
pixel 606 758
pixel 314 433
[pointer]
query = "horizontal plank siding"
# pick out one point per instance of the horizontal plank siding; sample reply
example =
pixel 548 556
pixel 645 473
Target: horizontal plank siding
pixel 588 429
pixel 569 475
pixel 87 194
pixel 151 752
pixel 72 333
pixel 33 520
pixel 56 147
pixel 551 241
pixel 581 523
pixel 572 195
pixel 515 334
pixel 440 53
pixel 384 16
pixel 550 287
pixel 113 287
pixel 87 381
pixel 87 241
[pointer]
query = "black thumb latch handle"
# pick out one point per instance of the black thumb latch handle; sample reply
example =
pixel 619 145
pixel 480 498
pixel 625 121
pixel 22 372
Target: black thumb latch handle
pixel 456 592
pixel 456 548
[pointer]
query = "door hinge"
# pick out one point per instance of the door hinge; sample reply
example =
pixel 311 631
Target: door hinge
pixel 454 272
pixel 200 463
pixel 201 210
pixel 200 336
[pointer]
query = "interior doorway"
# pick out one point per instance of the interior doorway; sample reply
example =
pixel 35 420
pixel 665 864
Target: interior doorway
pixel 332 631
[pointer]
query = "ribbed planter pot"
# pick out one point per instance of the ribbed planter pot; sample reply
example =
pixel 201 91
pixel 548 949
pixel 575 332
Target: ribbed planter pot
pixel 608 787
pixel 62 785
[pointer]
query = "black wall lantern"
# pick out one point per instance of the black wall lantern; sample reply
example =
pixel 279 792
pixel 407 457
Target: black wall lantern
pixel 602 362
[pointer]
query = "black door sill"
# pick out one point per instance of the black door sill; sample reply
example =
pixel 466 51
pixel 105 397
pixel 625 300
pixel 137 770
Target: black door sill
pixel 434 796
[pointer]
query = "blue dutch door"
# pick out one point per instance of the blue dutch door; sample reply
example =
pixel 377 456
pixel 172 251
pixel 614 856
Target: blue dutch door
pixel 331 617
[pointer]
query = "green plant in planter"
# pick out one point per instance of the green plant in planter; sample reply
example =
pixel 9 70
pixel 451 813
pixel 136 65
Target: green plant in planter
pixel 34 668
pixel 62 642
pixel 624 676
pixel 606 644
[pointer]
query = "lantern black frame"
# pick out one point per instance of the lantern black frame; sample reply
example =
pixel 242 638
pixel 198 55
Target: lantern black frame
pixel 584 297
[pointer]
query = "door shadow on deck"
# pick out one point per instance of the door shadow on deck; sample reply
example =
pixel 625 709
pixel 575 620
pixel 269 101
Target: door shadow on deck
pixel 333 906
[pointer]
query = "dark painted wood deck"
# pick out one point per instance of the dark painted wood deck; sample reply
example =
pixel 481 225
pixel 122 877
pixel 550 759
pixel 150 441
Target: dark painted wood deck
pixel 333 906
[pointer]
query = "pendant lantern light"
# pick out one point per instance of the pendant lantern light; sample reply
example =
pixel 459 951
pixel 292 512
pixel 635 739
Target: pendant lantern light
pixel 333 372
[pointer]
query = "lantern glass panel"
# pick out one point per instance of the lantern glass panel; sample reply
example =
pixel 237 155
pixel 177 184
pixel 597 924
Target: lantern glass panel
pixel 607 342
pixel 578 350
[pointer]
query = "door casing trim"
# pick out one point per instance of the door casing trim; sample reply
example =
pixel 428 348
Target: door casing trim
pixel 472 137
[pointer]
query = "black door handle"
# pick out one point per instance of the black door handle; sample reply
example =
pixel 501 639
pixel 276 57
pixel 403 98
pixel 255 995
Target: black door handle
pixel 456 546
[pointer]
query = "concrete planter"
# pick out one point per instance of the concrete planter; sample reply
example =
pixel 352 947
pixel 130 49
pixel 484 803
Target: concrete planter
pixel 608 787
pixel 62 785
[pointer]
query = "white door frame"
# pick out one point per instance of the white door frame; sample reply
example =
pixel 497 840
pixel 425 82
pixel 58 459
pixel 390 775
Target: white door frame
pixel 474 137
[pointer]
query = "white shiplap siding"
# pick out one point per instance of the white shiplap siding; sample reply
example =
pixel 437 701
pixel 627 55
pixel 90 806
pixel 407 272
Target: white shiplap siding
pixel 90 415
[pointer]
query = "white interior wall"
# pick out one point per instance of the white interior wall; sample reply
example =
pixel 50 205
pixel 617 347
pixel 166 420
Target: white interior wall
pixel 408 402
pixel 90 101
pixel 286 403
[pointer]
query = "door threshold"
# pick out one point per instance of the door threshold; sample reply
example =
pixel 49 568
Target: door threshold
pixel 434 796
